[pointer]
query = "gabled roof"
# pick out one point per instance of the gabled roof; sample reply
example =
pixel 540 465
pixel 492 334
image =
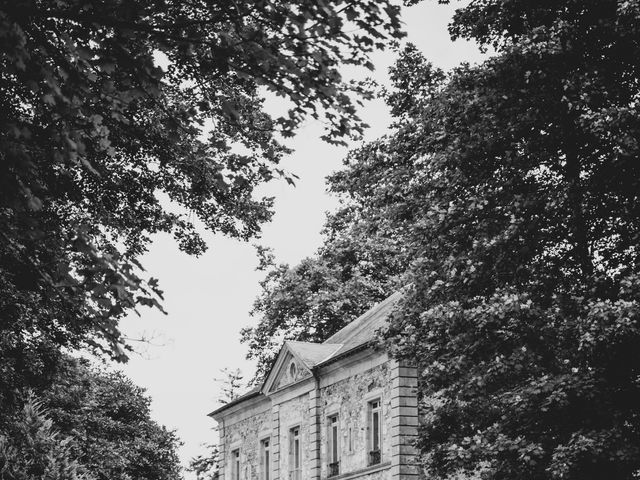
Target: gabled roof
pixel 312 354
pixel 354 336
pixel 363 329
pixel 307 355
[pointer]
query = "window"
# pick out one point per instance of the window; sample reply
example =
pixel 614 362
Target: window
pixel 235 464
pixel 292 370
pixel 375 432
pixel 333 447
pixel 294 454
pixel 265 454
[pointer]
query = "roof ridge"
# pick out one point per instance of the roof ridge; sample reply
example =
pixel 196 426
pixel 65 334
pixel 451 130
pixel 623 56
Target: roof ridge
pixel 359 322
pixel 310 343
pixel 312 354
pixel 333 352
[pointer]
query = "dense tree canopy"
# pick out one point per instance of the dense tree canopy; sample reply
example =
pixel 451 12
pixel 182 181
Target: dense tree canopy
pixel 355 268
pixel 521 194
pixel 513 185
pixel 88 424
pixel 113 112
pixel 507 194
pixel 109 419
pixel 32 448
pixel 119 120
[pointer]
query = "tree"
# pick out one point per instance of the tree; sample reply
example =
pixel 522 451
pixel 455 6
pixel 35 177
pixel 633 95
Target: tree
pixel 231 384
pixel 514 185
pixel 363 256
pixel 109 421
pixel 89 424
pixel 355 268
pixel 33 449
pixel 205 465
pixel 112 112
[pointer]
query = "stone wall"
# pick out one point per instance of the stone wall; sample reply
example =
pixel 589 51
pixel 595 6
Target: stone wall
pixel 349 399
pixel 246 435
pixel 345 390
pixel 404 423
pixel 295 413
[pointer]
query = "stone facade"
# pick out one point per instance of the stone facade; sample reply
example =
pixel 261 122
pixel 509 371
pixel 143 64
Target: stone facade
pixel 349 398
pixel 241 435
pixel 339 410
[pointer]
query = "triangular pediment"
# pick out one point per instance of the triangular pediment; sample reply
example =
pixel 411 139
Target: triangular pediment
pixel 295 362
pixel 287 370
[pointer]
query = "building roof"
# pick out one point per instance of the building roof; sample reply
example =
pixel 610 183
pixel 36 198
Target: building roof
pixel 363 329
pixel 312 354
pixel 356 335
pixel 254 392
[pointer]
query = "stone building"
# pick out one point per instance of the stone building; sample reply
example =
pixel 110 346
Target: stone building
pixel 339 409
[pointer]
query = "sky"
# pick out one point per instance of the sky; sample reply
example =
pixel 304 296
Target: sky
pixel 208 298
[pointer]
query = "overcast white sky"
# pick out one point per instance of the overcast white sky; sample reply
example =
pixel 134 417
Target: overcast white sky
pixel 208 298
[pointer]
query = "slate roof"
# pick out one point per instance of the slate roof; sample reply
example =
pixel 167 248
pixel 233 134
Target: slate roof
pixel 313 354
pixel 356 334
pixel 363 329
pixel 254 392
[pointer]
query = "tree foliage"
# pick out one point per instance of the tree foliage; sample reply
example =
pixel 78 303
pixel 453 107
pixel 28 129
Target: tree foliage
pixel 205 465
pixel 89 424
pixel 32 449
pixel 514 184
pixel 111 111
pixel 513 187
pixel 355 268
pixel 109 420
pixel 230 384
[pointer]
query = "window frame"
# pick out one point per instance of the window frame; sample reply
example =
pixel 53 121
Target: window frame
pixel 374 410
pixel 235 464
pixel 295 452
pixel 265 458
pixel 333 444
